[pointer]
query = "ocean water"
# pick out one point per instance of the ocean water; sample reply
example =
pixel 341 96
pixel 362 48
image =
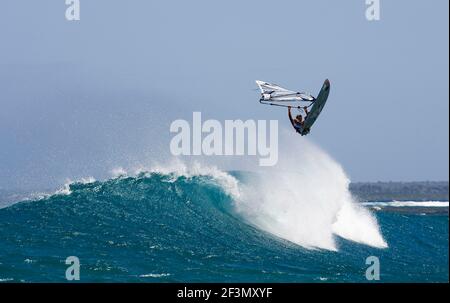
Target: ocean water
pixel 164 227
pixel 197 223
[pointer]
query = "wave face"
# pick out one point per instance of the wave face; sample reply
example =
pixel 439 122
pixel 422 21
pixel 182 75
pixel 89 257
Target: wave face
pixel 190 224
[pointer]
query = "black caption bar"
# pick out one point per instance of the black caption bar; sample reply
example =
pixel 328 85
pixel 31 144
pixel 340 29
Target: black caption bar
pixel 221 292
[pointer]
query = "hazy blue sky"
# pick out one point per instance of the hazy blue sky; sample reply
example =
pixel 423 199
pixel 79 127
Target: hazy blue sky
pixel 78 98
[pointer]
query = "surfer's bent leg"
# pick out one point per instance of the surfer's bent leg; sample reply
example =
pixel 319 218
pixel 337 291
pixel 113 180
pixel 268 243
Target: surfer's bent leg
pixel 299 129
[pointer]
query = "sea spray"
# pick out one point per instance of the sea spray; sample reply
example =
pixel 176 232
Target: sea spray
pixel 305 199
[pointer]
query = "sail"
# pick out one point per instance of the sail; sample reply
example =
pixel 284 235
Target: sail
pixel 276 93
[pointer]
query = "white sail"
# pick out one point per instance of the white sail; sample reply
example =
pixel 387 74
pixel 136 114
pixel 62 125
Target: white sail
pixel 276 93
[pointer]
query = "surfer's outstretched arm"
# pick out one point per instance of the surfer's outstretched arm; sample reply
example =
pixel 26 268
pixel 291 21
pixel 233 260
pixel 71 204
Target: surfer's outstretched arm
pixel 306 110
pixel 290 116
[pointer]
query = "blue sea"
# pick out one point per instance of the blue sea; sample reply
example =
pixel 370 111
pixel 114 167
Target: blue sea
pixel 168 227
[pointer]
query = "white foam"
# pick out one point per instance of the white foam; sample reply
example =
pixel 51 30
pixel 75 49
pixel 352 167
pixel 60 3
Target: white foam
pixel 305 199
pixel 176 168
pixel 119 172
pixel 86 180
pixel 65 190
pixel 154 275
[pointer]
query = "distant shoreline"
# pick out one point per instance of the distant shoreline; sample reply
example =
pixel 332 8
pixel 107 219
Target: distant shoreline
pixel 400 191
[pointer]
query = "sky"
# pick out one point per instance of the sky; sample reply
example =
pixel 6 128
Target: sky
pixel 79 98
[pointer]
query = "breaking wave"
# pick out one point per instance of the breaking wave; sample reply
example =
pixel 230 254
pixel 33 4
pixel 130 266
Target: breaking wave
pixel 182 222
pixel 308 205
